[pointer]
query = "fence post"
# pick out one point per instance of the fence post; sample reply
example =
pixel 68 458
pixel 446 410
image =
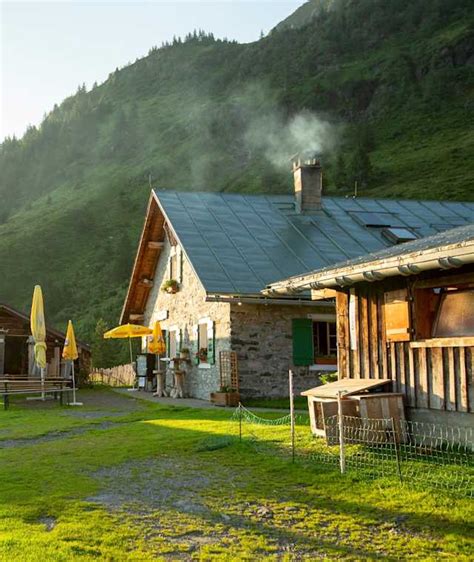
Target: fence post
pixel 240 422
pixel 292 415
pixel 340 419
pixel 397 455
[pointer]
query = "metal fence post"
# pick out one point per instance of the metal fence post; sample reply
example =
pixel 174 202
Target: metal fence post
pixel 292 415
pixel 397 455
pixel 342 453
pixel 240 422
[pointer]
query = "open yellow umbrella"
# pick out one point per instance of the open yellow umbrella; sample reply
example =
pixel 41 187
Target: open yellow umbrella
pixel 38 331
pixel 70 354
pixel 128 331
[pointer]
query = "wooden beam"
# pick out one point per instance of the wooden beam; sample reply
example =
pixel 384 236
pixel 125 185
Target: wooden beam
pixel 458 279
pixel 437 396
pixel 322 294
pixel 153 245
pixel 463 382
pixel 342 327
pixel 136 317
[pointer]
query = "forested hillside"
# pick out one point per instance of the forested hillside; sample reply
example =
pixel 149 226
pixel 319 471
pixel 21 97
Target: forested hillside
pixel 384 90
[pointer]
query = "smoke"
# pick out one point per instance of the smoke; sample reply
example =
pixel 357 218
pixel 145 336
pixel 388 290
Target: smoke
pixel 278 139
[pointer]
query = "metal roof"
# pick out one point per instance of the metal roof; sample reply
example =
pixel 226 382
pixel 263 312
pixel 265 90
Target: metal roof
pixel 238 244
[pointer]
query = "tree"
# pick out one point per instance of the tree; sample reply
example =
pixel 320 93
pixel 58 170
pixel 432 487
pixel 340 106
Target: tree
pixel 104 352
pixel 360 167
pixel 340 172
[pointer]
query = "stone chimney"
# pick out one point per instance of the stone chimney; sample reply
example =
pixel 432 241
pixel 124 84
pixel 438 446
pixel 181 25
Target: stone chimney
pixel 308 178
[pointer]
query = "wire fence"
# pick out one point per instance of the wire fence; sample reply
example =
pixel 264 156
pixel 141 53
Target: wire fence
pixel 414 453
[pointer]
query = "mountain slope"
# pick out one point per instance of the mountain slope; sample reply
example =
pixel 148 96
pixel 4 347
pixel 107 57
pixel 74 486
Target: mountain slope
pixel 391 85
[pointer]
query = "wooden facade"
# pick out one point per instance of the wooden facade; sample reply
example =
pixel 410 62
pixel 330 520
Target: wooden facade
pixel 385 331
pixel 17 346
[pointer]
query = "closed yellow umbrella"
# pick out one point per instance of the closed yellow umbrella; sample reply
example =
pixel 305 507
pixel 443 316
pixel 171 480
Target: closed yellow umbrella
pixel 38 331
pixel 156 343
pixel 128 331
pixel 70 354
pixel 38 327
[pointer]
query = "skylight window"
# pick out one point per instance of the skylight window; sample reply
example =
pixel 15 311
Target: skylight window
pixel 398 235
pixel 376 220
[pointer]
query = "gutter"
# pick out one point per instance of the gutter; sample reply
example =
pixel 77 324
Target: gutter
pixel 377 270
pixel 268 301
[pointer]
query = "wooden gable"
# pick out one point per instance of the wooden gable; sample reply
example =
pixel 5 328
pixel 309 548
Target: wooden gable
pixel 151 243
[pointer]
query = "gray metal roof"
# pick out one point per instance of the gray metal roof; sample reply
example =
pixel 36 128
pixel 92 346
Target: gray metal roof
pixel 238 243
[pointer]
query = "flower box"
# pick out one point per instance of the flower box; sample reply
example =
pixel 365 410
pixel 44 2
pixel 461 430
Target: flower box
pixel 225 398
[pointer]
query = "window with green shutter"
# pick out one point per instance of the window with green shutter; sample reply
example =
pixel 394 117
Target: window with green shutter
pixel 303 353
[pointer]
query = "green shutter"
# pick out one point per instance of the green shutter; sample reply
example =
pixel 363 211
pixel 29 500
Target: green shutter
pixel 167 342
pixel 196 358
pixel 211 344
pixel 303 353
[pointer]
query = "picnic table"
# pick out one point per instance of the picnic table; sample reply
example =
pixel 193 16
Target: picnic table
pixel 12 385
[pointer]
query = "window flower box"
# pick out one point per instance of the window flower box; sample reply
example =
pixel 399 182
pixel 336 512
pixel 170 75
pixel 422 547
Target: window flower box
pixel 171 286
pixel 222 398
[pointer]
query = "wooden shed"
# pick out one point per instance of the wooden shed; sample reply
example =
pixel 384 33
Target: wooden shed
pixel 407 314
pixel 364 399
pixel 17 346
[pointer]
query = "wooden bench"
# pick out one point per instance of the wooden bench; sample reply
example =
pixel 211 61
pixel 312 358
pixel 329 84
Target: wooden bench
pixel 22 386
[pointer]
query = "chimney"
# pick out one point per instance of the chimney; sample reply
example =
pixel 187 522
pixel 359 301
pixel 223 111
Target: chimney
pixel 308 178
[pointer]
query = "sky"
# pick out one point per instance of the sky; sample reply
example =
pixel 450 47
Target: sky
pixel 47 49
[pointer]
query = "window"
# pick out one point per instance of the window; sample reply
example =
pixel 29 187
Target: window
pixel 203 343
pixel 173 342
pixel 455 316
pixel 204 333
pixel 314 342
pixel 398 235
pixel 376 220
pixel 324 341
pixel 174 266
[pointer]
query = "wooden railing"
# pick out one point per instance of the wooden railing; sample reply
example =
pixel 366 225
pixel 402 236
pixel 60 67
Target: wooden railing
pixel 121 375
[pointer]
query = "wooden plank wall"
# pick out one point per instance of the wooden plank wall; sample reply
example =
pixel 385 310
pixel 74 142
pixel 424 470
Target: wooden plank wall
pixel 435 378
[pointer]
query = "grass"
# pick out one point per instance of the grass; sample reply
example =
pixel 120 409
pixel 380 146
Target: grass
pixel 175 483
pixel 300 402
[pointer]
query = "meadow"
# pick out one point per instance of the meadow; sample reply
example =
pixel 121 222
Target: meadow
pixel 125 479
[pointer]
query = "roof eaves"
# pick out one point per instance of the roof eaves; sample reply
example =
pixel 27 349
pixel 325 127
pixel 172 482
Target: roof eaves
pixel 442 257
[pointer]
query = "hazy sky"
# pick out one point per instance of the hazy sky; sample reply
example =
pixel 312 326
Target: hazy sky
pixel 48 48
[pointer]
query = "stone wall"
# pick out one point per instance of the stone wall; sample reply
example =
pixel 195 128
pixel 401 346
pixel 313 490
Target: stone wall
pixel 185 308
pixel 262 337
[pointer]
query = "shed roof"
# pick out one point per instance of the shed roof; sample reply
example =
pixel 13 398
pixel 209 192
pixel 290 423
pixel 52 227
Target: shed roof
pixel 452 248
pixel 240 243
pixel 346 387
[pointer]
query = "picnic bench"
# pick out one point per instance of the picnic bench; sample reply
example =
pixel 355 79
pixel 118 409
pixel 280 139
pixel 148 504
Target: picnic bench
pixel 14 385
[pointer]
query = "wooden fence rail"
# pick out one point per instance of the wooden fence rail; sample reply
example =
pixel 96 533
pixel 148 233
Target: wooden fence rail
pixel 122 375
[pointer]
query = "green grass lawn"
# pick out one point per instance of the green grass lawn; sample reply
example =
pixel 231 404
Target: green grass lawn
pixel 122 479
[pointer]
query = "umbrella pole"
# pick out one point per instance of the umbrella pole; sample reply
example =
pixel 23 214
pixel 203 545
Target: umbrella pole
pixel 131 363
pixel 42 383
pixel 74 403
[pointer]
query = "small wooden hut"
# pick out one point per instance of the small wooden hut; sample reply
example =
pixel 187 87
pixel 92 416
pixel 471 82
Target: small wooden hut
pixel 17 346
pixel 407 314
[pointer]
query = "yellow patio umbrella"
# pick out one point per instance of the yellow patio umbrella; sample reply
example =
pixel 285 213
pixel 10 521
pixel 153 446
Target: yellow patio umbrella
pixel 70 354
pixel 38 327
pixel 128 331
pixel 38 331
